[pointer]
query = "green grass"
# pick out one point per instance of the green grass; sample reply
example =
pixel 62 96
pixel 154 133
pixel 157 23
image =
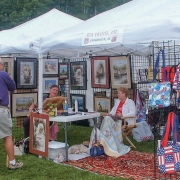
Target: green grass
pixel 42 169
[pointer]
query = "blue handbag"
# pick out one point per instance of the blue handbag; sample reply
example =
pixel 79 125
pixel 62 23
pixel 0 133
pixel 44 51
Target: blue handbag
pixel 159 92
pixel 96 150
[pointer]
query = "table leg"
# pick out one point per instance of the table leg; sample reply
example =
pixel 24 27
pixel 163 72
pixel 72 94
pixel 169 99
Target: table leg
pixel 66 139
pixel 95 125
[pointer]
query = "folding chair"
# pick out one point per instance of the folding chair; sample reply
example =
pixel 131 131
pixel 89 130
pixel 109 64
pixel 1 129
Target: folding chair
pixel 127 129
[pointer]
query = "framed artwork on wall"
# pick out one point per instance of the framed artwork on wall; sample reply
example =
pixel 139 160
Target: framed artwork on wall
pixel 50 67
pixel 48 82
pixel 100 72
pixel 21 103
pixel 26 73
pixel 120 71
pixel 80 99
pixel 39 134
pixel 78 72
pixel 100 94
pixel 63 71
pixel 102 105
pixel 8 65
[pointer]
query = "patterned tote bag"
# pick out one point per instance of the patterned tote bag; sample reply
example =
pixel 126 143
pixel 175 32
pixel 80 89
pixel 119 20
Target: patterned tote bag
pixel 169 151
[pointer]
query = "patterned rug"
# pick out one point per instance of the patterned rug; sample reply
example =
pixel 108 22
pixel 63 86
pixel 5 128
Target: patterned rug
pixel 134 165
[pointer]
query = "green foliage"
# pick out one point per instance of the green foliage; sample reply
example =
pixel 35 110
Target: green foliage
pixel 16 12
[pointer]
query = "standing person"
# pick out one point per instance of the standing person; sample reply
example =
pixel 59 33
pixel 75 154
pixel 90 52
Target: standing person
pixel 7 84
pixel 111 127
pixel 53 92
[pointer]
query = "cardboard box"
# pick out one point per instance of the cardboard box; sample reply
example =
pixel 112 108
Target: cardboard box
pixel 55 149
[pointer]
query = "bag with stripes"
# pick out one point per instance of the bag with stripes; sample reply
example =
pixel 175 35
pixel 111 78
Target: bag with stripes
pixel 169 151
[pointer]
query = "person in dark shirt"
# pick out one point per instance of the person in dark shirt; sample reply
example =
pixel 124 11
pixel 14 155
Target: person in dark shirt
pixel 7 84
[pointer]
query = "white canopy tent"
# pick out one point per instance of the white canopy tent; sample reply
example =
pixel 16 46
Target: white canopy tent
pixel 18 40
pixel 134 26
pixel 129 28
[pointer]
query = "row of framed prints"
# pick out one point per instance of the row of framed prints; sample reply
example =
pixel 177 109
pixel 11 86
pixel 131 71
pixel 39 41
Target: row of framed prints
pixel 102 69
pixel 22 101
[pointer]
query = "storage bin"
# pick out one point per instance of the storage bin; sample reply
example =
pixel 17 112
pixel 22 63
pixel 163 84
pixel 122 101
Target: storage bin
pixel 55 149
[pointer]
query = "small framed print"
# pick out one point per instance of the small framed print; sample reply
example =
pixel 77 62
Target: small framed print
pixel 80 99
pixel 100 72
pixel 100 94
pixel 63 71
pixel 48 82
pixel 61 81
pixel 102 105
pixel 39 134
pixel 8 65
pixel 26 73
pixel 120 71
pixel 21 103
pixel 50 67
pixel 78 72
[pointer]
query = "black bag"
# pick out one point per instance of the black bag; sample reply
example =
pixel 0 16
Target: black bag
pixel 26 145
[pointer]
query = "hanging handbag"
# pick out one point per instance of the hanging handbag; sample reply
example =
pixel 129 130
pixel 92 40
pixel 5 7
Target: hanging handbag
pixel 140 106
pixel 176 81
pixel 169 151
pixel 159 92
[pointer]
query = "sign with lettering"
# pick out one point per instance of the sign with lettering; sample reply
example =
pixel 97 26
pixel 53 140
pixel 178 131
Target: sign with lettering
pixel 102 37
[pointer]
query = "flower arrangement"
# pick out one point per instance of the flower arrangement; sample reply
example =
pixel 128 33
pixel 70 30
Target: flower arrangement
pixel 52 109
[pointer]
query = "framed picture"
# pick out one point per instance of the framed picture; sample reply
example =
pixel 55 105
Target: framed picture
pixel 100 94
pixel 48 82
pixel 21 102
pixel 120 72
pixel 26 73
pixel 102 105
pixel 80 99
pixel 50 67
pixel 8 65
pixel 78 72
pixel 100 72
pixel 61 81
pixel 39 134
pixel 63 71
pixel 114 100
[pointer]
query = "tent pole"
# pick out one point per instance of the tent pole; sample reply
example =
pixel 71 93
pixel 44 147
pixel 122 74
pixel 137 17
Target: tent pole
pixel 40 84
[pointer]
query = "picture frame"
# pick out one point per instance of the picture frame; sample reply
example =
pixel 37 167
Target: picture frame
pixel 48 82
pixel 61 81
pixel 63 71
pixel 80 99
pixel 39 134
pixel 26 69
pixel 114 100
pixel 78 72
pixel 100 72
pixel 100 94
pixel 8 65
pixel 102 105
pixel 21 102
pixel 50 67
pixel 120 71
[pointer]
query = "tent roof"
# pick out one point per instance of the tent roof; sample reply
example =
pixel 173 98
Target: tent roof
pixel 42 26
pixel 139 22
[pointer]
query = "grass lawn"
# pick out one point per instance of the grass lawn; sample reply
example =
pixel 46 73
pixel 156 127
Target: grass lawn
pixel 41 169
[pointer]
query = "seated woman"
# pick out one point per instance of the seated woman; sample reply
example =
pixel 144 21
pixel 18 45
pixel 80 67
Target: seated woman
pixel 53 92
pixel 110 130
